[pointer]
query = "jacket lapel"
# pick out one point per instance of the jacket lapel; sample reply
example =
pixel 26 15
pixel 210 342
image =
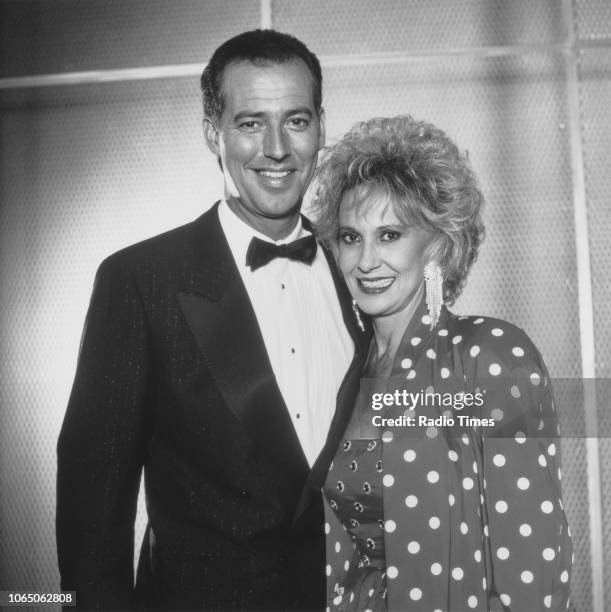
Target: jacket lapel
pixel 219 313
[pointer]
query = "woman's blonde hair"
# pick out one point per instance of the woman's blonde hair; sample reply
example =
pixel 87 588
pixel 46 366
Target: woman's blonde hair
pixel 427 179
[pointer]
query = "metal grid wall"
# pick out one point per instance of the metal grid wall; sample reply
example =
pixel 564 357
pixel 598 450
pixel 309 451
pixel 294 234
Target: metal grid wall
pixel 87 169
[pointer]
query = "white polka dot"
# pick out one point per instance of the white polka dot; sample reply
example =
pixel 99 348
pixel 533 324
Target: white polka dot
pixel 499 460
pixel 411 501
pixel 465 439
pixel 497 414
pixel 413 548
pixel 452 455
pixel 464 529
pixel 457 573
pixel 474 352
pixel 406 363
pixel 526 577
pixel 409 455
pixel 346 565
pixel 525 530
pixel 434 522
pixel 523 483
pixel 547 507
pixel 486 531
pixel 518 351
pixel 431 354
pixel 564 577
pixel 415 594
pixel 484 583
pixel 387 436
pixel 505 599
pixel 472 601
pixel 551 449
pixel 451 499
pixel 501 506
pixel 502 553
pixel 392 572
pixel 327 570
pixel 433 476
pixel 388 480
pixel 478 556
pixel 443 332
pixel 542 461
pixel 327 528
pixel 351 597
pixel 337 600
pixel 390 526
pixel 436 569
pixel 478 321
pixel 338 547
pixel 445 372
pixel 559 474
pixel 456 339
pixel 547 601
pixel 431 432
pixel 494 369
pixel 411 375
pixel 497 331
pixel 515 392
pixel 426 319
pixel 416 341
pixel 535 379
pixel 520 437
pixel 467 483
pixel 549 554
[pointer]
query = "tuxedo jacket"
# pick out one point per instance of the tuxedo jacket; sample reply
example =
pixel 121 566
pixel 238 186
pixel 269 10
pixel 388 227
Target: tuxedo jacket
pixel 173 376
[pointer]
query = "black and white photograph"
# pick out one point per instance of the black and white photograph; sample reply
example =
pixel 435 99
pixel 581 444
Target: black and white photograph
pixel 305 305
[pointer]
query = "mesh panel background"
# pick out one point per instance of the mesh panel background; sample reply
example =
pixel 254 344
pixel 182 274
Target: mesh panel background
pixel 86 170
pixel 596 125
pixel 72 35
pixel 355 26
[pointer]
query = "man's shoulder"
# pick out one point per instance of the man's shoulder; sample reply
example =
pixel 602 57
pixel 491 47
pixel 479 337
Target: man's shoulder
pixel 173 245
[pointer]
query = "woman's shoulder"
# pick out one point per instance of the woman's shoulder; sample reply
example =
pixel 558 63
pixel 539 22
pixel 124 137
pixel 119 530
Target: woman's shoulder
pixel 495 344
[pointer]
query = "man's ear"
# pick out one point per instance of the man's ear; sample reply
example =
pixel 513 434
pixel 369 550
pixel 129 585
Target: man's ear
pixel 322 137
pixel 211 135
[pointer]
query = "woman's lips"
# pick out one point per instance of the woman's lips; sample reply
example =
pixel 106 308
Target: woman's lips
pixel 375 285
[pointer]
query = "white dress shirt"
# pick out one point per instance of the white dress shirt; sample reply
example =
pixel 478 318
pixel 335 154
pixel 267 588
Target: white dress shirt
pixel 302 326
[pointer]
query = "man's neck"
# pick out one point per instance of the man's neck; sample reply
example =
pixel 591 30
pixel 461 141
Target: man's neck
pixel 275 228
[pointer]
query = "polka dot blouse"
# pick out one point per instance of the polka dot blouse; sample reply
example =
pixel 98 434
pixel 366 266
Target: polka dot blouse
pixel 462 513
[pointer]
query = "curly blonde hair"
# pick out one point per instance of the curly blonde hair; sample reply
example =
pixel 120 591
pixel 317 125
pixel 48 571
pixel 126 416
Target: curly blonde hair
pixel 425 176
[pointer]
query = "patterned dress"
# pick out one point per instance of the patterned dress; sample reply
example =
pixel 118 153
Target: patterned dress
pixel 442 513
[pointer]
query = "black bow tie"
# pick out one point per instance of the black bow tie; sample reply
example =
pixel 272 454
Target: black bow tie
pixel 261 252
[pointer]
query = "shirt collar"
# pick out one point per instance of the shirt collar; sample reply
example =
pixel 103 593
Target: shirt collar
pixel 239 234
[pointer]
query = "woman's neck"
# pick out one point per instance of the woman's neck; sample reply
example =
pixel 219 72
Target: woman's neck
pixel 388 332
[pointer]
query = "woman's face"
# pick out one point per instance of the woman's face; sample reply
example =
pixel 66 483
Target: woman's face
pixel 381 258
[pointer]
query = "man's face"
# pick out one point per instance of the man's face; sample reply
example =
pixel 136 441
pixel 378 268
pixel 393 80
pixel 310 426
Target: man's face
pixel 268 139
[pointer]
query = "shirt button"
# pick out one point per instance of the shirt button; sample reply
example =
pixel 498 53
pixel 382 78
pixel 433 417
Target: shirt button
pixel 282 286
pixel 298 416
pixel 293 351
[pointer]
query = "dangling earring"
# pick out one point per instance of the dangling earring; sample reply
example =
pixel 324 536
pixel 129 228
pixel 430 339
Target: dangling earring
pixel 357 314
pixel 433 282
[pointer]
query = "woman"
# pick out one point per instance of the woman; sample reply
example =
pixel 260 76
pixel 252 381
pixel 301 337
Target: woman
pixel 445 492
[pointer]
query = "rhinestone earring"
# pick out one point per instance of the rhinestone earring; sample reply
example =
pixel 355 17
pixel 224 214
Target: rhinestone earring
pixel 433 282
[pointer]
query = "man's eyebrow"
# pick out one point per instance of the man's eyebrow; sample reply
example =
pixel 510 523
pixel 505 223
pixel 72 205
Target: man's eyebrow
pixel 300 110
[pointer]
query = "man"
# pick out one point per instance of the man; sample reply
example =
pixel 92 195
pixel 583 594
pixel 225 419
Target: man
pixel 212 358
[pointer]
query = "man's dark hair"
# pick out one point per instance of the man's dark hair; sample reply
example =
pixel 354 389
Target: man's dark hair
pixel 260 47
